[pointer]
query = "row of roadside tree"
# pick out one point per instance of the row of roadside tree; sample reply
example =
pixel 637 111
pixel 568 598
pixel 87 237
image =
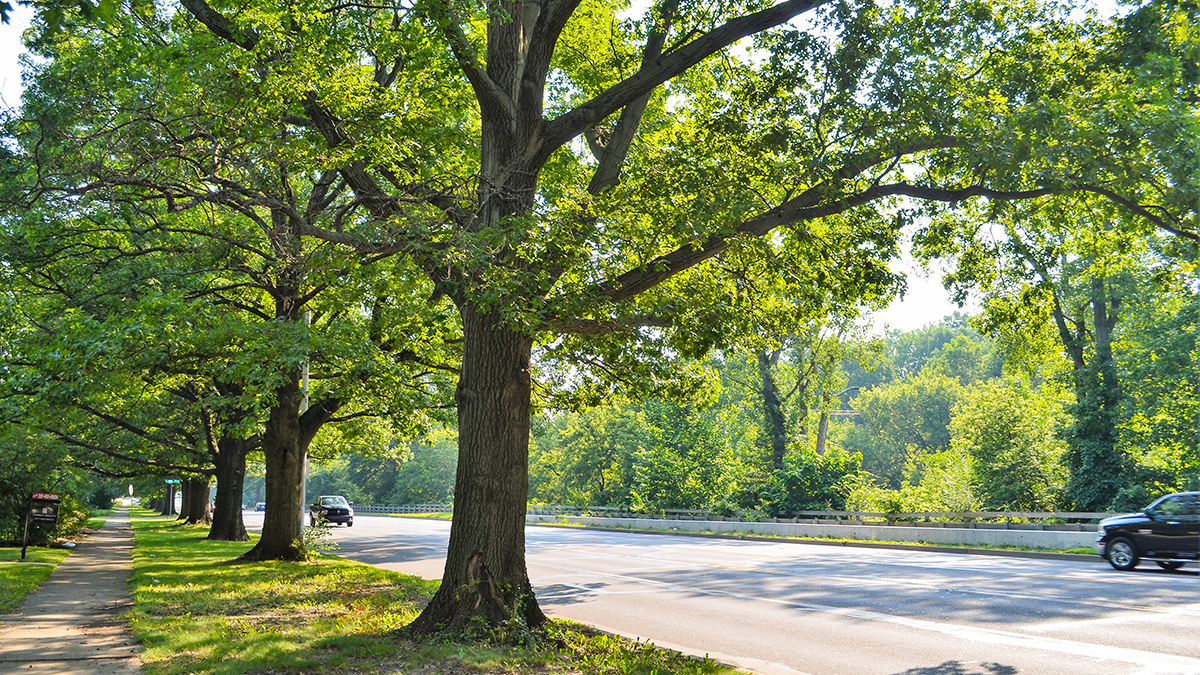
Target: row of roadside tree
pixel 274 227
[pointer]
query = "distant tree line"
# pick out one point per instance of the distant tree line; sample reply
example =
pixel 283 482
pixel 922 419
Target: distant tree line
pixel 924 420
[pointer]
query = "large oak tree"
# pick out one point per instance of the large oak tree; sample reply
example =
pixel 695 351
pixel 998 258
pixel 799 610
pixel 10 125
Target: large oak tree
pixel 593 185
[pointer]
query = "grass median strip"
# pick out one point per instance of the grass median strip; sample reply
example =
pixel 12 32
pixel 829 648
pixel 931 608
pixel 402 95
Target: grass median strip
pixel 198 611
pixel 19 578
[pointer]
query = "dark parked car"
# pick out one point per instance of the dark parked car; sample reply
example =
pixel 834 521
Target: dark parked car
pixel 331 509
pixel 1167 532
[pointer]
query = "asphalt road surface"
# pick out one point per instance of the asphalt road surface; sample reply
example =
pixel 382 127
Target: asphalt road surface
pixel 781 608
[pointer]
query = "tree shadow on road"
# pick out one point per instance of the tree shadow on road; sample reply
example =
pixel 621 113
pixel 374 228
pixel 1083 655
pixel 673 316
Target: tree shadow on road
pixel 567 594
pixel 961 668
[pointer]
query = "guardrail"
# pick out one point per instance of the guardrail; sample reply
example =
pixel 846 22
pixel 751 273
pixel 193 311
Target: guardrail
pixel 1067 521
pixel 403 508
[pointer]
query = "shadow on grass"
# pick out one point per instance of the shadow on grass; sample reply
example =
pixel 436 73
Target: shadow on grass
pixel 197 610
pixel 19 578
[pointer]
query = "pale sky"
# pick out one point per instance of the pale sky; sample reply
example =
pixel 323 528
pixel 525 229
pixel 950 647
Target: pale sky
pixel 10 50
pixel 926 301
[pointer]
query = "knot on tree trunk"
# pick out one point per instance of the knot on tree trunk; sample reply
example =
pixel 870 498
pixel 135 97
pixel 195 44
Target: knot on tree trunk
pixel 482 594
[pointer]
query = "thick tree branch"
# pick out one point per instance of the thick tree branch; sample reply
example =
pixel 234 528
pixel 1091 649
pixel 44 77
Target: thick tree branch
pixel 600 326
pixel 80 443
pixel 612 155
pixel 489 94
pixel 567 126
pixel 316 416
pixel 379 204
pixel 219 25
pixel 1073 342
pixel 1142 211
pixel 793 211
pixel 551 20
pixel 135 430
pixel 797 211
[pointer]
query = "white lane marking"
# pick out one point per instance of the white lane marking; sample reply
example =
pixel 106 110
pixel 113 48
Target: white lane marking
pixel 1152 663
pixel 1189 611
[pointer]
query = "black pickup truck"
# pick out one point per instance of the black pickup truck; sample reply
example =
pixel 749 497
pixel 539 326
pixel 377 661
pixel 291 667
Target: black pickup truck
pixel 1167 532
pixel 331 509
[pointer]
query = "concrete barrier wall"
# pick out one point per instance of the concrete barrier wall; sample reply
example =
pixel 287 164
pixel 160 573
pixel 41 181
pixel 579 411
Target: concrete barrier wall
pixel 947 536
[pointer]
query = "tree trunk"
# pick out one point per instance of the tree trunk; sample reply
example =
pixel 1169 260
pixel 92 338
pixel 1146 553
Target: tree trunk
pixel 776 422
pixel 485 576
pixel 1097 465
pixel 168 502
pixel 283 454
pixel 822 432
pixel 195 503
pixel 231 476
pixel 485 572
pixel 183 500
pixel 285 441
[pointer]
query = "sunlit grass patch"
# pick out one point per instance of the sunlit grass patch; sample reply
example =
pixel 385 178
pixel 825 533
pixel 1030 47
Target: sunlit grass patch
pixel 19 578
pixel 198 610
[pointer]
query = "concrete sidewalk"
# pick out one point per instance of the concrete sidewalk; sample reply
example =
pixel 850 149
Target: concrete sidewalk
pixel 71 625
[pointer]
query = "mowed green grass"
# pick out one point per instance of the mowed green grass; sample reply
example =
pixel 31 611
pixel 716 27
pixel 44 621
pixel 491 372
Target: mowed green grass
pixel 19 578
pixel 197 610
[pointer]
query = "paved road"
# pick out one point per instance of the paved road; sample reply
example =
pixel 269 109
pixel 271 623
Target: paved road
pixel 796 608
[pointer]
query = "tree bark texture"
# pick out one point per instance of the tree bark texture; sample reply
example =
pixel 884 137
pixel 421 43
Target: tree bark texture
pixel 195 503
pixel 283 454
pixel 231 476
pixel 168 503
pixel 773 408
pixel 485 565
pixel 1097 465
pixel 183 500
pixel 285 441
pixel 822 432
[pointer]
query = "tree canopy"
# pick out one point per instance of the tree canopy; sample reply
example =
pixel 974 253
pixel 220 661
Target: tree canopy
pixel 583 192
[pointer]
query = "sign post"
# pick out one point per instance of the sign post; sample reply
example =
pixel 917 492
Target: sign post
pixel 43 508
pixel 171 490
